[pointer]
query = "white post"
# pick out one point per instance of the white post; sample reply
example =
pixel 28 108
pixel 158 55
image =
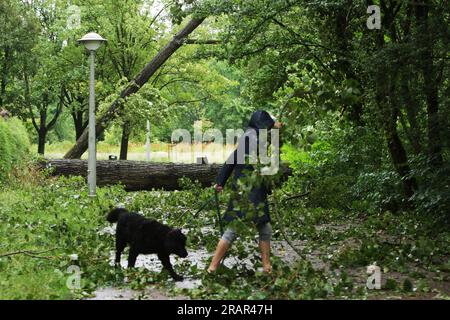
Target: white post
pixel 148 145
pixel 92 158
pixel 92 41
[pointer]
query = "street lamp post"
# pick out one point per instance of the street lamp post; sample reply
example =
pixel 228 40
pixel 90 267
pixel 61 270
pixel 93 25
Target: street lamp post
pixel 92 41
pixel 148 143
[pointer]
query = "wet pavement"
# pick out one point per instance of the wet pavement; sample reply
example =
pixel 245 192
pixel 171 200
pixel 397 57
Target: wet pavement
pixel 201 256
pixel 197 258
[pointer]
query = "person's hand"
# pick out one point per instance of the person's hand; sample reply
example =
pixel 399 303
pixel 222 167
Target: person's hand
pixel 278 125
pixel 218 188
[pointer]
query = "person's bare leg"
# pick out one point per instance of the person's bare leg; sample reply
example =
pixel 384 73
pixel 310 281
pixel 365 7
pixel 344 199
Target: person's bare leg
pixel 221 249
pixel 264 246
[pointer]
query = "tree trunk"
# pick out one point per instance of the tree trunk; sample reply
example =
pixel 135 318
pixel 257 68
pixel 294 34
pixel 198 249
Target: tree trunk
pixel 399 156
pixel 411 107
pixel 165 53
pixel 124 142
pixel 4 77
pixel 386 78
pixel 430 84
pixel 345 37
pixel 140 175
pixel 78 123
pixel 42 134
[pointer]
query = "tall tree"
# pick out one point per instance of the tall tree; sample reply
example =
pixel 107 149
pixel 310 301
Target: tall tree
pixel 135 85
pixel 18 36
pixel 132 38
pixel 42 91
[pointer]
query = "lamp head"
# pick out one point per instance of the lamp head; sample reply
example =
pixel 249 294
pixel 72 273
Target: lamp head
pixel 92 41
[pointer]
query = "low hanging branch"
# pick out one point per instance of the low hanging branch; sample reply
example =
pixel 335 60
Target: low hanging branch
pixel 30 253
pixel 165 53
pixel 296 196
pixel 202 42
pixel 282 227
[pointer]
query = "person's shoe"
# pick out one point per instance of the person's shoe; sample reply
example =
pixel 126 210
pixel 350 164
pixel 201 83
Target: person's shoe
pixel 211 274
pixel 267 269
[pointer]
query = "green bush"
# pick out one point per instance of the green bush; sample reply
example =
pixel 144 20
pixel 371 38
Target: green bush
pixel 14 145
pixel 380 189
pixel 433 196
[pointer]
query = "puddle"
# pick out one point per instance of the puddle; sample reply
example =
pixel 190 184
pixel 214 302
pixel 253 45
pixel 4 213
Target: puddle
pixel 198 257
pixel 114 294
pixel 107 230
pixel 149 293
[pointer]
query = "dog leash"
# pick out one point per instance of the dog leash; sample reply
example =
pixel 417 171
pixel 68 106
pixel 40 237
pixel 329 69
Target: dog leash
pixel 197 212
pixel 219 217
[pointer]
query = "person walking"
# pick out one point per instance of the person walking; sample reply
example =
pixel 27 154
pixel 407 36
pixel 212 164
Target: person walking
pixel 257 196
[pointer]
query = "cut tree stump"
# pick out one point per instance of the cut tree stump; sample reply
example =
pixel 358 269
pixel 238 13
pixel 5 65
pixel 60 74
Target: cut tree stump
pixel 139 175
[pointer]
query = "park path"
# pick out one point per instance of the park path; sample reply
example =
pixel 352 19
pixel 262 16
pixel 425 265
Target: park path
pixel 195 257
pixel 110 293
pixel 280 249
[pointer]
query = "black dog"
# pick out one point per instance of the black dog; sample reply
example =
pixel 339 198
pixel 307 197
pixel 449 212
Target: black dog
pixel 146 236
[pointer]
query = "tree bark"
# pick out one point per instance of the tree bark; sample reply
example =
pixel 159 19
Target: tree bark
pixel 165 53
pixel 411 107
pixel 430 84
pixel 140 175
pixel 43 128
pixel 79 123
pixel 344 36
pixel 42 134
pixel 399 156
pixel 124 141
pixel 386 78
pixel 4 77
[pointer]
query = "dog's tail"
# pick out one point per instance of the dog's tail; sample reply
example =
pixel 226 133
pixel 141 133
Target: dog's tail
pixel 114 214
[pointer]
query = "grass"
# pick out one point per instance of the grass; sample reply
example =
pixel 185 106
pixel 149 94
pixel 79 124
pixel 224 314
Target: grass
pixel 160 152
pixel 40 216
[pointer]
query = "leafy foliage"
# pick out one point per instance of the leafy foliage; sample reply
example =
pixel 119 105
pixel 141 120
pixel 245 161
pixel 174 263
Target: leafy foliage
pixel 14 146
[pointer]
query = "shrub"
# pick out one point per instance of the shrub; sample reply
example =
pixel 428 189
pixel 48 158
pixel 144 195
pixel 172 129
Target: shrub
pixel 380 189
pixel 14 145
pixel 433 196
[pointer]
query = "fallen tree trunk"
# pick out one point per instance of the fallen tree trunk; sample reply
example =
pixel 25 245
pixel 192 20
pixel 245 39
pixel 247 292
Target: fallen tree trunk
pixel 103 121
pixel 139 175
